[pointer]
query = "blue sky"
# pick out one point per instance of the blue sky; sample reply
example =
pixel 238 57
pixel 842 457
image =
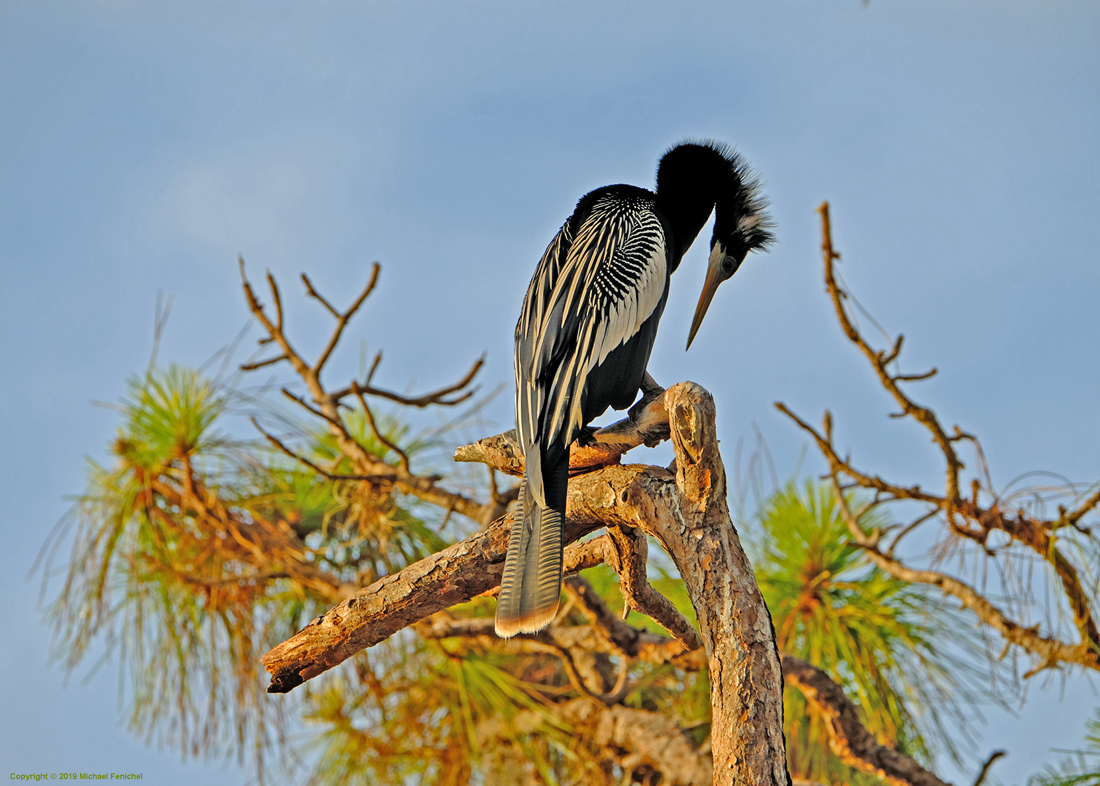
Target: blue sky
pixel 145 145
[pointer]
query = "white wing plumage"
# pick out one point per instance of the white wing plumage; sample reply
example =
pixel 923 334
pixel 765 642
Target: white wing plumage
pixel 590 294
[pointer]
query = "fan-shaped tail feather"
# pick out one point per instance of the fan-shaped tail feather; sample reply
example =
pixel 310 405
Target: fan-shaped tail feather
pixel 530 587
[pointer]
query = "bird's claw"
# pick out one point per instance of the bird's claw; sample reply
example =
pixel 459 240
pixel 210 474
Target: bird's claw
pixel 587 437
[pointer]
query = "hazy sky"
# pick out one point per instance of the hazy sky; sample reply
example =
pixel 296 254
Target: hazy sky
pixel 144 145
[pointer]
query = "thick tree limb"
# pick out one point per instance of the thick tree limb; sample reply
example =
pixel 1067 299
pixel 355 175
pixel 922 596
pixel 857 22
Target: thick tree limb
pixel 454 575
pixel 695 528
pixel 687 513
pixel 848 738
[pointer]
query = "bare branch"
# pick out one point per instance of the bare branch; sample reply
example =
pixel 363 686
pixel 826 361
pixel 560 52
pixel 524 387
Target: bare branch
pixel 985 767
pixel 262 363
pixel 1088 504
pixel 922 415
pixel 438 397
pixel 874 482
pixel 915 377
pixel 334 422
pixel 848 738
pixel 627 640
pixel 319 470
pixel 277 300
pixel 274 330
pixel 647 426
pixel 454 575
pixel 889 552
pixel 370 466
pixel 402 456
pixel 315 294
pixel 341 319
pixel 628 557
pixel 1050 650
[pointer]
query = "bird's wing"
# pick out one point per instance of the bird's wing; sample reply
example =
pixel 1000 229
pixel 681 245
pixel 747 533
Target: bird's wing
pixel 529 396
pixel 613 277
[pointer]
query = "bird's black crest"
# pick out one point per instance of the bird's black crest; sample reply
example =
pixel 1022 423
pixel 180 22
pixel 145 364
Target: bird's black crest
pixel 717 172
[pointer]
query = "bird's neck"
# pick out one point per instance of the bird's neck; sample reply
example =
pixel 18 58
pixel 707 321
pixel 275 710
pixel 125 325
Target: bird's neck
pixel 685 210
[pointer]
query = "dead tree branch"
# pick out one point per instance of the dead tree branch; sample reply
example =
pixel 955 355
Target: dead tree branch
pixel 848 738
pixel 978 781
pixel 326 404
pixel 965 518
pixel 628 557
pixel 686 512
pixel 646 426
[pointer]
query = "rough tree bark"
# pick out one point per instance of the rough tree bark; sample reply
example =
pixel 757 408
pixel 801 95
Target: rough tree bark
pixel 685 510
pixel 684 507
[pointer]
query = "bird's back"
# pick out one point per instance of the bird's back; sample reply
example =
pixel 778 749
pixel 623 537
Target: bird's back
pixel 582 344
pixel 583 339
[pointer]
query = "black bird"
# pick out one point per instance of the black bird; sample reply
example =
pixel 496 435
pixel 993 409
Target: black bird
pixel 587 328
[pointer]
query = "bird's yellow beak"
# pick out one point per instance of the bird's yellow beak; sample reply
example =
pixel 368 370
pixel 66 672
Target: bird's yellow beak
pixel 710 286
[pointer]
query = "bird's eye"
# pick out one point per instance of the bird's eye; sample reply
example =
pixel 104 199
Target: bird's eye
pixel 729 265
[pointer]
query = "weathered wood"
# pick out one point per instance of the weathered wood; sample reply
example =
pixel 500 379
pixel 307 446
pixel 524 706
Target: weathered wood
pixel 685 511
pixel 452 576
pixel 691 519
pixel 647 425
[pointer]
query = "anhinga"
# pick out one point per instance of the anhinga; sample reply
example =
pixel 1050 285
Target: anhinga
pixel 587 328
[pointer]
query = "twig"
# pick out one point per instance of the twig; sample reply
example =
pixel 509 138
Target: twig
pixel 341 319
pixel 402 456
pixel 438 397
pixel 319 470
pixel 327 407
pixel 874 482
pixel 1090 502
pixel 889 552
pixel 922 415
pixel 315 294
pixel 988 763
pixel 262 363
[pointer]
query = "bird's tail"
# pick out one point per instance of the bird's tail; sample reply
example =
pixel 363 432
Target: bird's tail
pixel 530 587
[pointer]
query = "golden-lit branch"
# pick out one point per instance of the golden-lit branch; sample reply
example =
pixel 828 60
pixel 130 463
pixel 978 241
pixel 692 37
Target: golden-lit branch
pixel 686 512
pixel 326 404
pixel 848 738
pixel 964 518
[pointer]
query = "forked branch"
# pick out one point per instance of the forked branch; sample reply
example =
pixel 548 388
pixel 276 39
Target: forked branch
pixel 326 405
pixel 965 518
pixel 686 512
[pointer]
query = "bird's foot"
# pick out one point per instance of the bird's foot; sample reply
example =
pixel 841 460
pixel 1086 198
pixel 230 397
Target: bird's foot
pixel 587 437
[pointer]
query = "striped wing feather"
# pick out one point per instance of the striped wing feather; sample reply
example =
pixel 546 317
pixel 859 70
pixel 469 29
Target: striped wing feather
pixel 591 294
pixel 612 278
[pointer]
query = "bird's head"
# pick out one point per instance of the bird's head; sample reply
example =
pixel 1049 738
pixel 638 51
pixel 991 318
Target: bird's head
pixel 741 225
